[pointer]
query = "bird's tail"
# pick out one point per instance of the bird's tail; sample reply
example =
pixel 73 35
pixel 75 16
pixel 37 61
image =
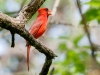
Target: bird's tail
pixel 28 55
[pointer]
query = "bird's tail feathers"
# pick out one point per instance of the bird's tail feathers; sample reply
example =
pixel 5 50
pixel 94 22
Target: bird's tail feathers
pixel 28 55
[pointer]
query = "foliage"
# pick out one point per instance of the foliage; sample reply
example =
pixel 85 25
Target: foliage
pixel 73 64
pixel 94 11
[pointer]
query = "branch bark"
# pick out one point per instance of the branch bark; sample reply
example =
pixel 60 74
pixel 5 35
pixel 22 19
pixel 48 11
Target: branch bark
pixel 86 28
pixel 46 66
pixel 17 25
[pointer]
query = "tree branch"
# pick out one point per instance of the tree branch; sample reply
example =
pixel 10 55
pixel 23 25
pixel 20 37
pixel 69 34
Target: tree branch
pixel 86 27
pixel 46 66
pixel 54 9
pixel 52 70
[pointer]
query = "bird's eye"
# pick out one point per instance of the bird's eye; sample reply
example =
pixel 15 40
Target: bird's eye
pixel 46 9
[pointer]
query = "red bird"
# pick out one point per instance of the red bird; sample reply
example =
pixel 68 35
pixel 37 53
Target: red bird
pixel 38 27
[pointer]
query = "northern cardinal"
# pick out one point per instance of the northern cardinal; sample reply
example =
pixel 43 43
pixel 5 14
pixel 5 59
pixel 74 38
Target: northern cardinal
pixel 38 27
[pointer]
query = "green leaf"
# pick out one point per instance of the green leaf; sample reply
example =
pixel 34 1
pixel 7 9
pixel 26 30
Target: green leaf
pixel 92 14
pixel 63 37
pixel 2 5
pixel 62 46
pixel 77 39
pixel 94 3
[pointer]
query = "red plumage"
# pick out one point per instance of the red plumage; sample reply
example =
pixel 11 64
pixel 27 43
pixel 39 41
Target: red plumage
pixel 38 27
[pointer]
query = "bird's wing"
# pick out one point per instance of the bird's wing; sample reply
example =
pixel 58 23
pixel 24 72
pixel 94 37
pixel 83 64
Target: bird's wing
pixel 36 25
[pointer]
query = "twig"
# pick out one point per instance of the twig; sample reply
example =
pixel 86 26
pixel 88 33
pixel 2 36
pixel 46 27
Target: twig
pixel 64 23
pixel 85 27
pixel 13 38
pixel 52 70
pixel 56 3
pixel 54 9
pixel 22 4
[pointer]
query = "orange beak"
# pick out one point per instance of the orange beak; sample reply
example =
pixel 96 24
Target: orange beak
pixel 49 12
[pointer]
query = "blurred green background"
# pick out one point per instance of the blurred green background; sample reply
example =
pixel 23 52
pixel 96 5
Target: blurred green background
pixel 65 35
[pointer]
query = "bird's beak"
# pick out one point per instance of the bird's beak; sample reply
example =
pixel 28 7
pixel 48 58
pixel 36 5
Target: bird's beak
pixel 49 12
